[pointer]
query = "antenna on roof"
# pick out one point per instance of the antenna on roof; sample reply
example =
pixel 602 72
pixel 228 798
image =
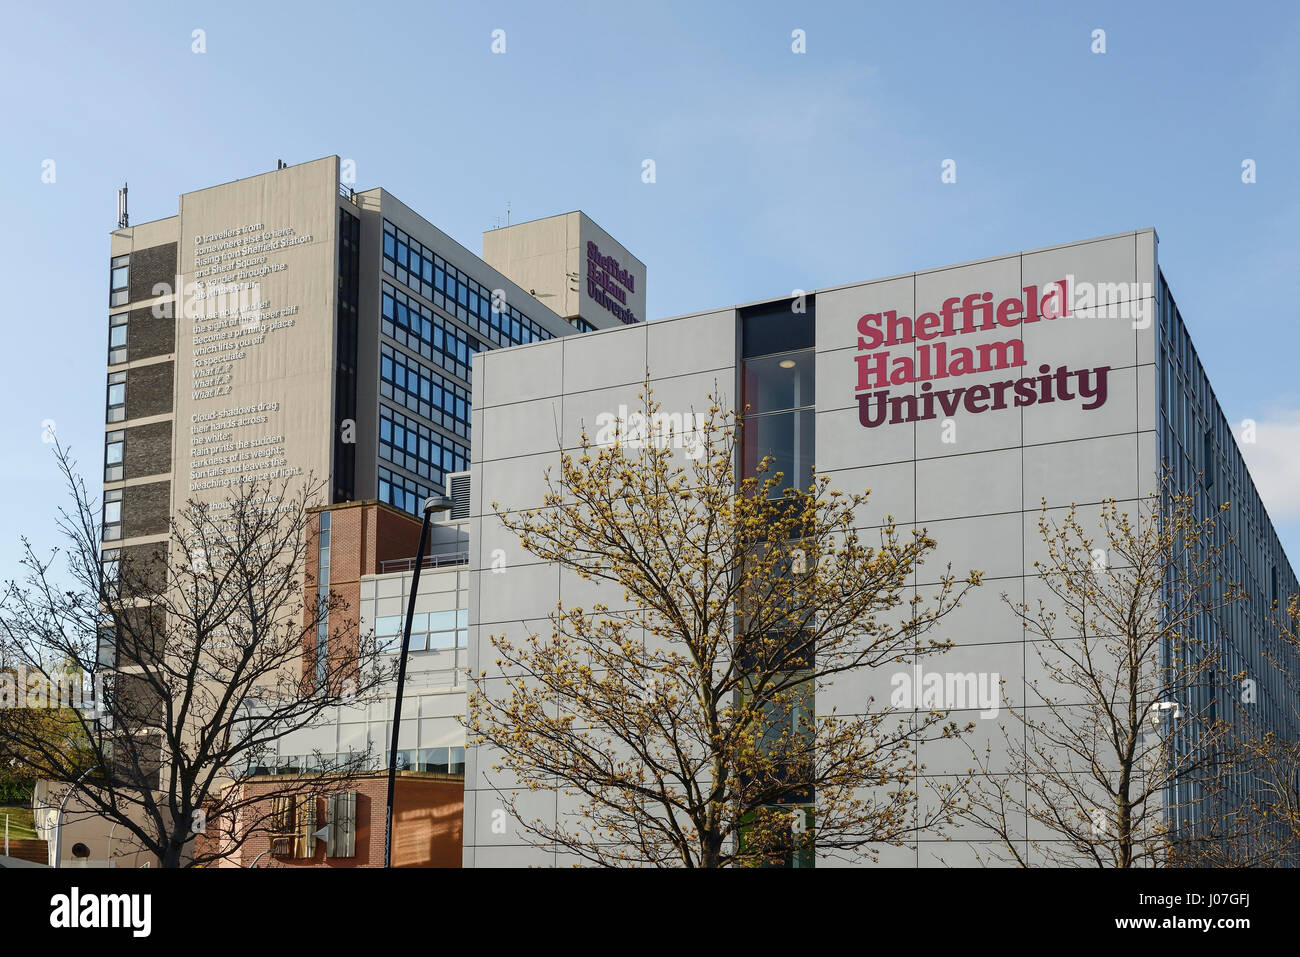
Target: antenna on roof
pixel 507 212
pixel 123 219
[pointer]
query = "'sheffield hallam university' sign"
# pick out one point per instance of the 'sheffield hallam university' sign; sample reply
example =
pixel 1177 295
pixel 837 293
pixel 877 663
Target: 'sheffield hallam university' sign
pixel 939 357
pixel 608 283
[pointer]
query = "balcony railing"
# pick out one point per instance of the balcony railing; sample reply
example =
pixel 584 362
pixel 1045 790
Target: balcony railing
pixel 430 561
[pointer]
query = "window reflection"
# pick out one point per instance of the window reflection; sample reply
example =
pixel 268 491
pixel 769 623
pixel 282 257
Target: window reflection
pixel 779 424
pixel 787 440
pixel 779 382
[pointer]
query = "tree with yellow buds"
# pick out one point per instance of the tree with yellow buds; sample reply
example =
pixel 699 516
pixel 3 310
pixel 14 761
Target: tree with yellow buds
pixel 678 720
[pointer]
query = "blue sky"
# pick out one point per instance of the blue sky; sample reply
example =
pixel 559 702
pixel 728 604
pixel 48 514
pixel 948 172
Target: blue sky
pixel 775 171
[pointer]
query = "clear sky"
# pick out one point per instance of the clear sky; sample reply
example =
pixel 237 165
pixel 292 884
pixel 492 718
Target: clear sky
pixel 774 170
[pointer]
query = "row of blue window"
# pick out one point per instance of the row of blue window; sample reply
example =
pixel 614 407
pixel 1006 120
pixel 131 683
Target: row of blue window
pixel 423 391
pixel 418 328
pixel 414 446
pixel 402 492
pixel 428 274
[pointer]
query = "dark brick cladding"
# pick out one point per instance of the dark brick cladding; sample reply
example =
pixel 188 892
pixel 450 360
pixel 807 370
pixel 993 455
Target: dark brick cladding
pixel 146 509
pixel 148 450
pixel 148 336
pixel 151 266
pixel 149 390
pixel 144 568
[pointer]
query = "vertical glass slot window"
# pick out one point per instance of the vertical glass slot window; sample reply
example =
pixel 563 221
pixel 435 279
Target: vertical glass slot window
pixel 116 396
pixel 110 566
pixel 117 338
pixel 112 515
pixel 779 421
pixel 119 279
pixel 114 450
pixel 323 600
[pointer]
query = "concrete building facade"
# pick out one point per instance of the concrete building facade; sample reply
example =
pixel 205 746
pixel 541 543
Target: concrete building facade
pixel 965 398
pixel 289 328
pixel 285 325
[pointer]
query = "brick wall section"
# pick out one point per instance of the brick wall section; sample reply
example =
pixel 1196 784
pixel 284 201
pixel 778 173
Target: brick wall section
pixel 148 450
pixel 148 336
pixel 427 814
pixel 144 568
pixel 146 509
pixel 393 535
pixel 142 633
pixel 149 390
pixel 363 535
pixel 149 267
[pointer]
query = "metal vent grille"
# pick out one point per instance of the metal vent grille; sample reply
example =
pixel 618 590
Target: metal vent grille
pixel 458 490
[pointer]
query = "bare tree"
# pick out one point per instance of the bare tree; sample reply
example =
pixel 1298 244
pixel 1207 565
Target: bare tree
pixel 683 728
pixel 1122 738
pixel 204 648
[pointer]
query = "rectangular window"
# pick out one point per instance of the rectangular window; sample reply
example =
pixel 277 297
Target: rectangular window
pixel 779 382
pixel 112 515
pixel 119 278
pixel 432 759
pixel 786 441
pixel 117 338
pixel 116 396
pixel 106 650
pixel 110 567
pixel 114 450
pixel 341 810
pixel 773 327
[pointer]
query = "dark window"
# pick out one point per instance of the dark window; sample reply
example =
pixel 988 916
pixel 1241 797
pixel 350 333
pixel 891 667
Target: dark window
pixel 345 360
pixel 774 327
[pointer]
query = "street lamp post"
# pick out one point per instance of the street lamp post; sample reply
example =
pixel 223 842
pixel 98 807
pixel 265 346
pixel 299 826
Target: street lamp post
pixel 431 505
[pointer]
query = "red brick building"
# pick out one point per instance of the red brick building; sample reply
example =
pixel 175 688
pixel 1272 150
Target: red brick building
pixel 359 538
pixel 344 827
pixel 427 815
